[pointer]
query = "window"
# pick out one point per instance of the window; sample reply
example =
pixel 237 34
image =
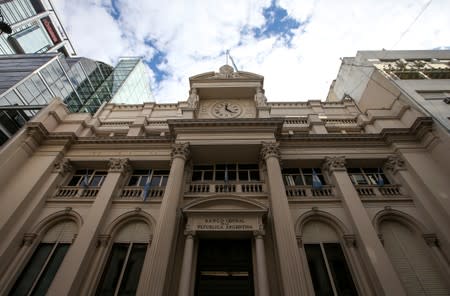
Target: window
pixel 367 176
pixel 142 177
pixel 123 269
pixel 38 274
pixel 329 271
pixel 88 177
pixel 301 176
pixel 226 172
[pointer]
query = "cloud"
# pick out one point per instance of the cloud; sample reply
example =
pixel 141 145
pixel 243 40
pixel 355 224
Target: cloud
pixel 295 44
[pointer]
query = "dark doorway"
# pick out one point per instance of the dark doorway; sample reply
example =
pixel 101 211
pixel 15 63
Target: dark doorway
pixel 224 267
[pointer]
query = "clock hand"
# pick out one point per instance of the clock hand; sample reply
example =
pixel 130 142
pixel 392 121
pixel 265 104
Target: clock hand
pixel 226 108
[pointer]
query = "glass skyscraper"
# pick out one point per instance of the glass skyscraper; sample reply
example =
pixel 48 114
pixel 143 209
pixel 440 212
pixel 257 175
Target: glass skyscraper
pixel 29 82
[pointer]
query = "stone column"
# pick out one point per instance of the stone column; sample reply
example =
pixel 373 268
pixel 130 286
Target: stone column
pixel 286 243
pixel 384 276
pixel 261 266
pixel 24 219
pixel 156 262
pixel 69 277
pixel 423 198
pixel 184 287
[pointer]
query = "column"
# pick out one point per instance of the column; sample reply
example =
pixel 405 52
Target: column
pixel 286 242
pixel 69 277
pixel 385 277
pixel 156 262
pixel 261 266
pixel 184 287
pixel 423 198
pixel 22 220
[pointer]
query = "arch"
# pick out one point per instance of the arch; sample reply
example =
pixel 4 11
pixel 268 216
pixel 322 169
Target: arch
pixel 225 203
pixel 401 217
pixel 322 216
pixel 68 214
pixel 135 215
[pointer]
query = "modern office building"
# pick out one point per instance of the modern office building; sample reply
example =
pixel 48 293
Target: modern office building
pixel 226 193
pixel 36 28
pixel 29 82
pixel 374 79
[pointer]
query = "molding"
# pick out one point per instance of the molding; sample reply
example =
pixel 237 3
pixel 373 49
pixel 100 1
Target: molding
pixel 270 149
pixel 119 165
pixel 63 166
pixel 335 163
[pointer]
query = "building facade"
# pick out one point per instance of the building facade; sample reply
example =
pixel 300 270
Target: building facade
pixel 374 79
pixel 35 26
pixel 226 194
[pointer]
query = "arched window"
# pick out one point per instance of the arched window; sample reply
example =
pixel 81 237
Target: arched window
pixel 38 274
pixel 412 260
pixel 328 267
pixel 122 271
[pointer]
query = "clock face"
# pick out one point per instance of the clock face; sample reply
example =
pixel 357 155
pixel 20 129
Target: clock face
pixel 226 110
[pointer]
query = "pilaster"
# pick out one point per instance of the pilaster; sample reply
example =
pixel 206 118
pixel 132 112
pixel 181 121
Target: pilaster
pixel 154 270
pixel 69 277
pixel 184 288
pixel 384 276
pixel 286 243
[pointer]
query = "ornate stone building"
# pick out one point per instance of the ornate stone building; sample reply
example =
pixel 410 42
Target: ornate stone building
pixel 226 194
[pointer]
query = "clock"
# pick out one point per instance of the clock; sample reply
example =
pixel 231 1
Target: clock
pixel 226 110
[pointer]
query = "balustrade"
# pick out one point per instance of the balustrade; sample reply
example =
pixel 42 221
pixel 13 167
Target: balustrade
pixel 325 191
pixel 250 187
pixel 75 192
pixel 379 191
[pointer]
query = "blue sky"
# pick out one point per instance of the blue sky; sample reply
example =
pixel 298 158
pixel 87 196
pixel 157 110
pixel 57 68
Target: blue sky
pixel 295 44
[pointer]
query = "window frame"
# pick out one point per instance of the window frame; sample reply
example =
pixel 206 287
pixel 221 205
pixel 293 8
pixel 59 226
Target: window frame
pixel 143 177
pixel 291 177
pixel 234 171
pixel 368 176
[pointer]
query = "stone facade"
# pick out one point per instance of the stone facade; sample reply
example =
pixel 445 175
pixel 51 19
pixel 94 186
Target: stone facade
pixel 363 180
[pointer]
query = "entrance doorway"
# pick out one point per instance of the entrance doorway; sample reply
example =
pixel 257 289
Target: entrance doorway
pixel 224 267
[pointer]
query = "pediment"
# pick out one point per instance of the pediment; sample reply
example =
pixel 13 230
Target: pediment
pixel 224 205
pixel 226 73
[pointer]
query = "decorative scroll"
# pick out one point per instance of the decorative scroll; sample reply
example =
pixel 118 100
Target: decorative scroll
pixel 336 163
pixel 119 165
pixel 270 149
pixel 431 239
pixel 180 150
pixel 63 166
pixel 395 163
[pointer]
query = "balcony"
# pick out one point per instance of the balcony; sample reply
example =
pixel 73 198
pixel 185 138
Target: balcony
pixel 306 192
pixel 221 187
pixel 375 191
pixel 75 192
pixel 136 193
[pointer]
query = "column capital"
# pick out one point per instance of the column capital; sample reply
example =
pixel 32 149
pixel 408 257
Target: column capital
pixel 350 240
pixel 180 150
pixel 394 163
pixel 119 165
pixel 28 238
pixel 103 240
pixel 299 241
pixel 190 233
pixel 431 239
pixel 270 149
pixel 259 233
pixel 63 166
pixel 335 163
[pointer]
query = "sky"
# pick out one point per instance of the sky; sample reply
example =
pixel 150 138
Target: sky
pixel 295 44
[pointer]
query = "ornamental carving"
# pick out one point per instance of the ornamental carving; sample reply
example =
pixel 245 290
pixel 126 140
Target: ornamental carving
pixel 28 238
pixel 270 149
pixel 260 98
pixel 103 240
pixel 431 239
pixel 335 163
pixel 63 166
pixel 350 240
pixel 180 150
pixel 394 163
pixel 119 165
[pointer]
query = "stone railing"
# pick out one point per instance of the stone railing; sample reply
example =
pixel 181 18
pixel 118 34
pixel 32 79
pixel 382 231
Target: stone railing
pixel 137 193
pixel 296 121
pixel 327 191
pixel 379 191
pixel 218 187
pixel 117 123
pixel 75 192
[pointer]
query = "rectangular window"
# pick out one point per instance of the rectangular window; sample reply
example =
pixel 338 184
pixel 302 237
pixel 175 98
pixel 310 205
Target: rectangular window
pixel 121 275
pixel 156 178
pixel 301 176
pixel 226 172
pixel 329 270
pixel 38 274
pixel 88 177
pixel 367 176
